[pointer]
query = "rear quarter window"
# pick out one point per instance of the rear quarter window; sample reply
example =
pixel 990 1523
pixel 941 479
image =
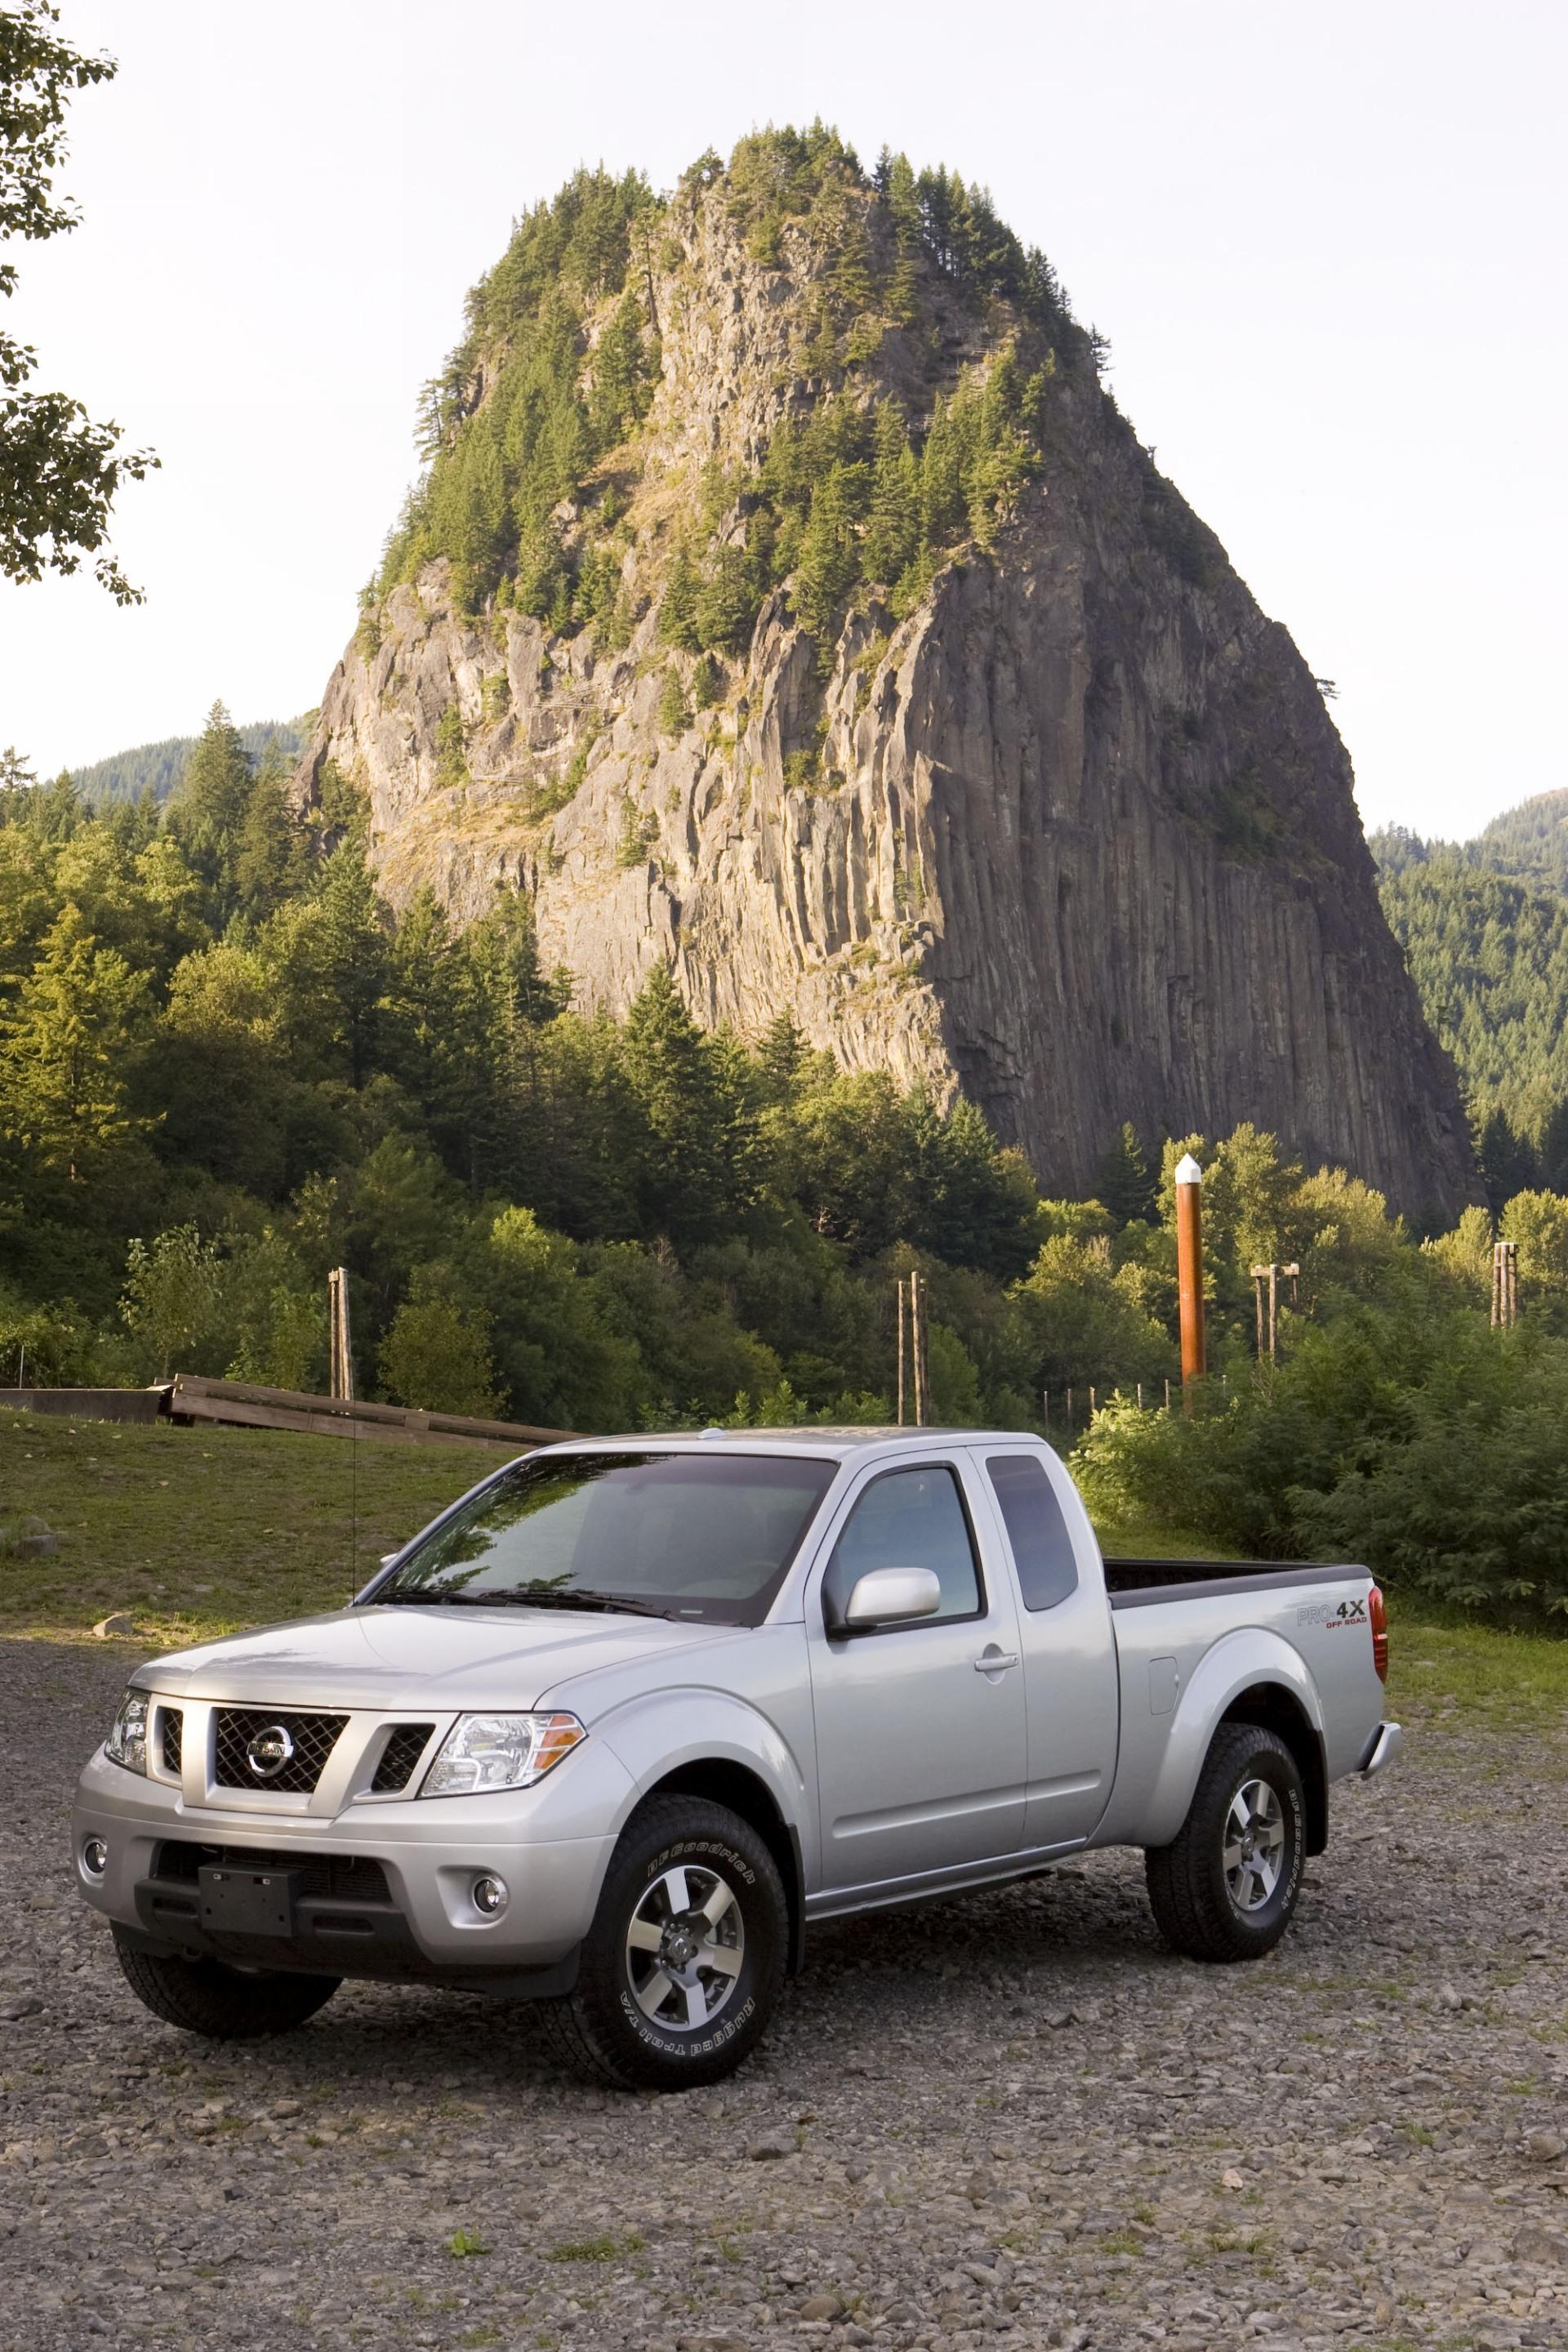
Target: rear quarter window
pixel 1037 1529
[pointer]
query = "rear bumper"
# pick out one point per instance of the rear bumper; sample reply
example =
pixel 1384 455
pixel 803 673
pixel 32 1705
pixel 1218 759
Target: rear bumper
pixel 382 1891
pixel 1386 1743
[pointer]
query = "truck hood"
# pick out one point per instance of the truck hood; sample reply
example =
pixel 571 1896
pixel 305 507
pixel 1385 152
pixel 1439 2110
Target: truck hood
pixel 402 1656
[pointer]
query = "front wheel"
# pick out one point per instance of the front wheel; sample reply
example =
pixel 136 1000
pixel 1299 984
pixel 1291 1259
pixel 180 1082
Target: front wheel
pixel 681 1968
pixel 1225 1887
pixel 225 2004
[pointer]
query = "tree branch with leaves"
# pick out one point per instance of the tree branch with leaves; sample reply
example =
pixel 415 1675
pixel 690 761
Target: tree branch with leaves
pixel 60 471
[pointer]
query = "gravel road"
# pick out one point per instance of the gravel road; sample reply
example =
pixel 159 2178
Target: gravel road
pixel 1014 2117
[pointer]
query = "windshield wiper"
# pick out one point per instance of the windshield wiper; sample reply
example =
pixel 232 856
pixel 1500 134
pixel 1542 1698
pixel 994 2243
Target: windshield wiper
pixel 513 1596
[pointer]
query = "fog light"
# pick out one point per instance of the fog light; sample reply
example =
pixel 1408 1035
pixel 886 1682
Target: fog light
pixel 490 1896
pixel 95 1857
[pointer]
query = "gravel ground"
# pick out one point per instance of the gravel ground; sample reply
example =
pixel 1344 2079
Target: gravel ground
pixel 1018 2116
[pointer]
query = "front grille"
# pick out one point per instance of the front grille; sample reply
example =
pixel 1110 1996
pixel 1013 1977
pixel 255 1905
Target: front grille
pixel 314 1736
pixel 399 1757
pixel 338 1877
pixel 174 1733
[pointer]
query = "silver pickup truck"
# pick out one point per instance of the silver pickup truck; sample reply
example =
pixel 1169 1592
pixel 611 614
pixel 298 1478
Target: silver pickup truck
pixel 632 1713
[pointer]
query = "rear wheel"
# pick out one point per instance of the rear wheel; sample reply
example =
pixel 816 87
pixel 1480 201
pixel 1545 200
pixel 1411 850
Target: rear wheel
pixel 225 2004
pixel 681 1968
pixel 1225 1887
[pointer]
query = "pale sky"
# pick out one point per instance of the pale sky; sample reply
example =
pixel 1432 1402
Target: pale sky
pixel 1327 245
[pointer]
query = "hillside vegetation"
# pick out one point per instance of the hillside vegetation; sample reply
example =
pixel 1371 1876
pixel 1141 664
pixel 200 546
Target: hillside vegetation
pixel 1484 926
pixel 225 1066
pixel 157 768
pixel 897 449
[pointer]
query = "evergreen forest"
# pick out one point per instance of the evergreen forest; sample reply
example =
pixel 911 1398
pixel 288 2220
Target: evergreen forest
pixel 225 1066
pixel 1484 926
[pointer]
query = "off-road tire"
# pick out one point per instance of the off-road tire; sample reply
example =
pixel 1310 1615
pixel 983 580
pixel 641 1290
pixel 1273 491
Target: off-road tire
pixel 599 2027
pixel 223 2003
pixel 1193 1904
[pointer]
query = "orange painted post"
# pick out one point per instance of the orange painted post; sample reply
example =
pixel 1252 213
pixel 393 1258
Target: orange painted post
pixel 1190 1266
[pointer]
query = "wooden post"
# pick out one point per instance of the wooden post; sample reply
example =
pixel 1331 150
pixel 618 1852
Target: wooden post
pixel 1046 1400
pixel 1269 1325
pixel 918 1348
pixel 342 1371
pixel 1069 1416
pixel 1139 1396
pixel 1091 1402
pixel 901 1299
pixel 1167 1396
pixel 1505 1285
pixel 1189 1268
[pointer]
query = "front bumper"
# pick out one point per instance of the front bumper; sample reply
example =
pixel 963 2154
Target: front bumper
pixel 380 1890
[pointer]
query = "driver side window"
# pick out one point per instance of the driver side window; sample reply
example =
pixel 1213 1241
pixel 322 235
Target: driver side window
pixel 909 1519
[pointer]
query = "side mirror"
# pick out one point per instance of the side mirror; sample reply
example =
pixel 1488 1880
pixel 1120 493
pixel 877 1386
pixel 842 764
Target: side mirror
pixel 891 1596
pixel 387 1557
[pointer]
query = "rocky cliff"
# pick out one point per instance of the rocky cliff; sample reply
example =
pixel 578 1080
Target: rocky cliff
pixel 788 601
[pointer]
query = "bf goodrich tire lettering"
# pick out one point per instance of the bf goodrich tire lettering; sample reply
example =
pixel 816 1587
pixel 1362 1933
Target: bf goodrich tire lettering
pixel 1208 1899
pixel 682 1967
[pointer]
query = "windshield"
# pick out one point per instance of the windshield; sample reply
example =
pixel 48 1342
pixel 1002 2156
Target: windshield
pixel 704 1537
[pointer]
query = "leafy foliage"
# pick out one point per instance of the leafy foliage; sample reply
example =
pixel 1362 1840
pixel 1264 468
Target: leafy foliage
pixel 59 472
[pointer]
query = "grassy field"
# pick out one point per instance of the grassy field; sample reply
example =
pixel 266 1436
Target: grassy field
pixel 200 1531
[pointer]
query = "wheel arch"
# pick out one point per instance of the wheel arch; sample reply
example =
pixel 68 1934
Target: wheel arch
pixel 723 1781
pixel 1273 1707
pixel 1248 1675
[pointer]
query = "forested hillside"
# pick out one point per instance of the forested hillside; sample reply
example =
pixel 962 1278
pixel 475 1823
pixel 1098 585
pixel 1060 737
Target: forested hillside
pixel 226 1066
pixel 1484 926
pixel 157 768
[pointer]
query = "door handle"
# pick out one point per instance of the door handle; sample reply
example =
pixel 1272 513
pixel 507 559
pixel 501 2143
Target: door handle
pixel 996 1662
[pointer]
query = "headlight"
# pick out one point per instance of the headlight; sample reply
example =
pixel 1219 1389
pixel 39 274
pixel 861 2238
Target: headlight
pixel 127 1743
pixel 500 1751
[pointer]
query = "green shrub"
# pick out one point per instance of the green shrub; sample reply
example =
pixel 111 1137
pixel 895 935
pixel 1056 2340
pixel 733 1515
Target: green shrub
pixel 435 1354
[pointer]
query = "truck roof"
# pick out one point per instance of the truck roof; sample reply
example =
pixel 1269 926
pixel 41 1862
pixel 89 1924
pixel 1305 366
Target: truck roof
pixel 818 1438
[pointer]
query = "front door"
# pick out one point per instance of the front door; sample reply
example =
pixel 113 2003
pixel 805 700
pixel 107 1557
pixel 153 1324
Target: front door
pixel 920 1732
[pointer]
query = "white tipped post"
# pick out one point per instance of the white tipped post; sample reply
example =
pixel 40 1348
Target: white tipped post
pixel 1190 1267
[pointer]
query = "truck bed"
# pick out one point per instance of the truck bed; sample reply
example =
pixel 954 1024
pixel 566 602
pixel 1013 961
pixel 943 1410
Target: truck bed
pixel 1134 1583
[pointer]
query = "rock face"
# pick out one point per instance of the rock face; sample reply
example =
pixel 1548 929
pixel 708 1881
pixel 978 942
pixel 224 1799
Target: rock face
pixel 1071 831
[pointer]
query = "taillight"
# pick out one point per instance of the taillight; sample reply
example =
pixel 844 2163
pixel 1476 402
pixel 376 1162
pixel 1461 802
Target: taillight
pixel 1378 1616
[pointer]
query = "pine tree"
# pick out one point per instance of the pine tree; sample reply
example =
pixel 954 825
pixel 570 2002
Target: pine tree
pixel 674 710
pixel 1124 1182
pixel 892 528
pixel 1507 1161
pixel 620 375
pixel 1554 1149
pixel 65 1055
pixel 270 854
pixel 678 612
pixel 782 1056
pixel 727 603
pixel 829 560
pixel 692 1149
pixel 207 808
pixel 347 964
